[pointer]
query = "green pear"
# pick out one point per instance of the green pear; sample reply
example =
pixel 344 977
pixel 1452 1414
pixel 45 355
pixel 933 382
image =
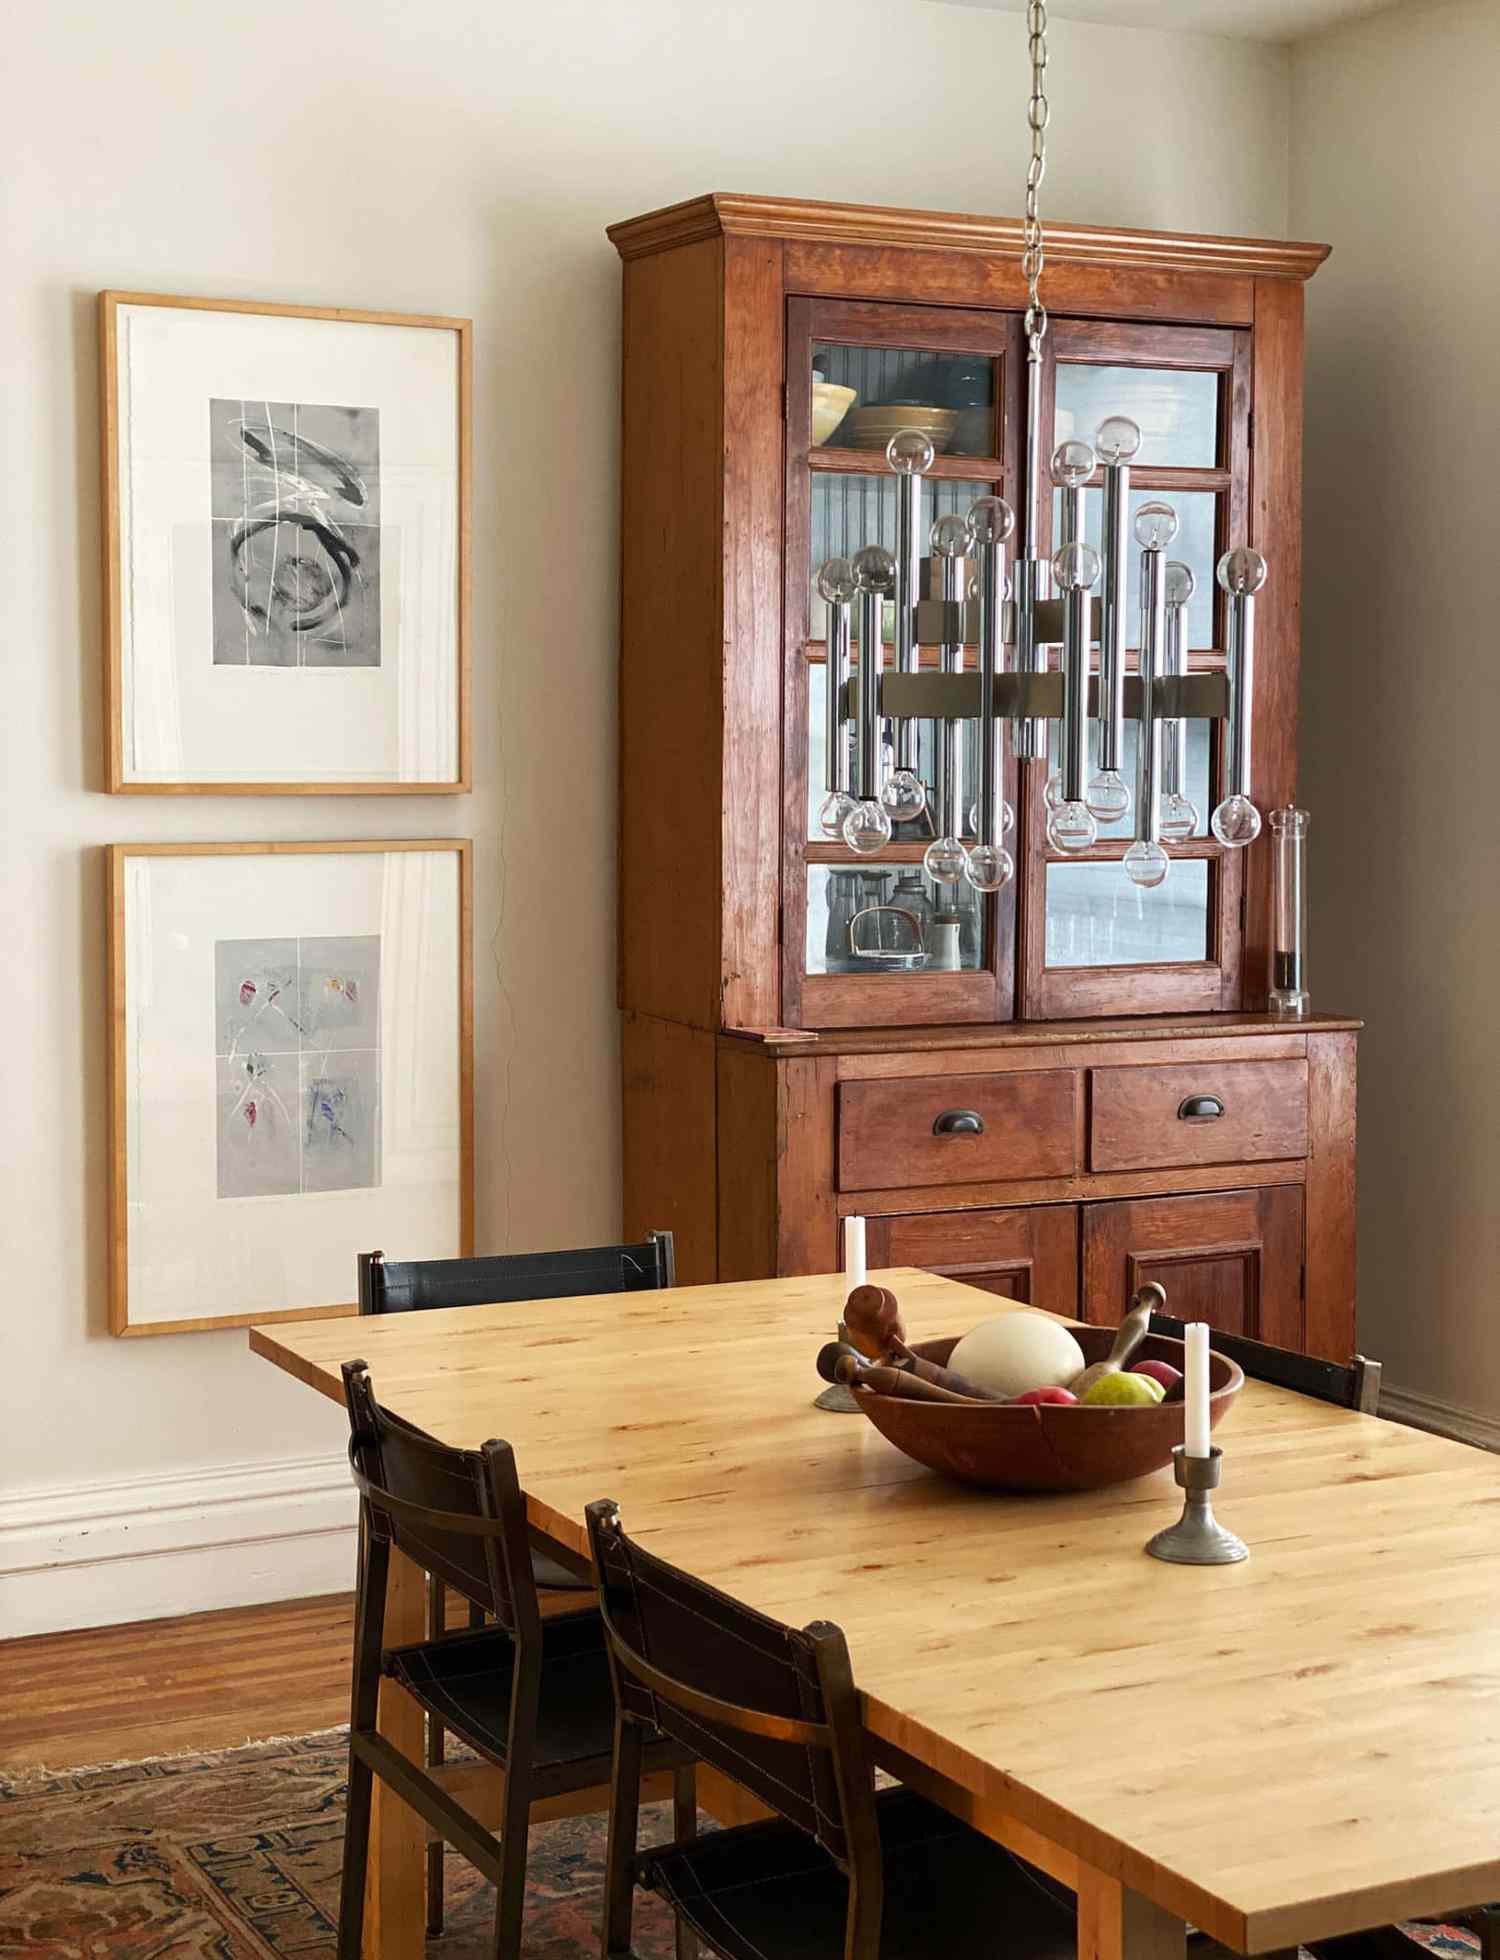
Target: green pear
pixel 1123 1391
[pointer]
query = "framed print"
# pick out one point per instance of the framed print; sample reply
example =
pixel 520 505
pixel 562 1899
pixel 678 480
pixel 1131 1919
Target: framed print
pixel 286 541
pixel 291 1074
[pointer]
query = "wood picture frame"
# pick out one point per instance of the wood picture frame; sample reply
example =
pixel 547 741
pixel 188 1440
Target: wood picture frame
pixel 179 554
pixel 439 1123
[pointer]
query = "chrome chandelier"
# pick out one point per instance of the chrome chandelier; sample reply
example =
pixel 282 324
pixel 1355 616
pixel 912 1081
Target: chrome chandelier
pixel 1073 600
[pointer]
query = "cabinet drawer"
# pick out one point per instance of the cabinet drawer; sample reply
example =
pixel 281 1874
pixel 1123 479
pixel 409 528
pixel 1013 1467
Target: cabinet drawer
pixel 1216 1113
pixel 957 1129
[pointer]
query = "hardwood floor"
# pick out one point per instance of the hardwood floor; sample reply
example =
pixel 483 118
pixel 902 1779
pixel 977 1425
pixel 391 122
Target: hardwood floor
pixel 161 1687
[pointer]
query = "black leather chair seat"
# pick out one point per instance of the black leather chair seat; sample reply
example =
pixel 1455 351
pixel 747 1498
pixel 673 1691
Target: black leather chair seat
pixel 465 1680
pixel 551 1572
pixel 768 1889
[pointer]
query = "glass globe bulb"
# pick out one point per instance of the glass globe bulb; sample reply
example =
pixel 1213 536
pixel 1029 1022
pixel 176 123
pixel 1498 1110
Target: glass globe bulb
pixel 1076 566
pixel 990 866
pixel 1072 464
pixel 1242 570
pixel 990 521
pixel 1155 526
pixel 1179 817
pixel 836 581
pixel 904 795
pixel 1071 828
pixel 1146 864
pixel 874 569
pixel 972 590
pixel 1116 439
pixel 950 536
pixel 834 812
pixel 867 828
pixel 1107 797
pixel 1236 822
pixel 909 453
pixel 1178 584
pixel 944 860
pixel 1007 818
pixel 1052 794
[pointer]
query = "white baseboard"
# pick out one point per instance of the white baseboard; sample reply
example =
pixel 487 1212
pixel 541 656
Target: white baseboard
pixel 144 1548
pixel 1442 1418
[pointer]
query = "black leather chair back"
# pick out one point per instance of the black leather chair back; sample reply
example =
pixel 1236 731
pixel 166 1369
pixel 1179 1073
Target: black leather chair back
pixel 1356 1386
pixel 458 1514
pixel 771 1706
pixel 398 1286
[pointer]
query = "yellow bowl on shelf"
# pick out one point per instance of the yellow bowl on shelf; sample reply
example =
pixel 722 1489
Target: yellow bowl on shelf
pixel 872 428
pixel 830 404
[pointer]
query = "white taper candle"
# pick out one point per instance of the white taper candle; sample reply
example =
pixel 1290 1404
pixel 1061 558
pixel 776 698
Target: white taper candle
pixel 1195 1390
pixel 854 1252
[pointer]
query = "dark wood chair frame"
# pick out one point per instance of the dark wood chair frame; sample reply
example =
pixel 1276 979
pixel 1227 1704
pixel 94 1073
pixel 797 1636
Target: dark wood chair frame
pixel 839 1733
pixel 1355 1386
pixel 498 1523
pixel 415 1286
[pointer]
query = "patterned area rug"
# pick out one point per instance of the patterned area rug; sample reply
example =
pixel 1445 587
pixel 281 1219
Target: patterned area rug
pixel 235 1856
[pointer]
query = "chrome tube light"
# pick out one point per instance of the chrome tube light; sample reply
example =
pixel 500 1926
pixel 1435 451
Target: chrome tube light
pixel 1179 814
pixel 1071 826
pixel 910 455
pixel 1241 574
pixel 1146 863
pixel 990 866
pixel 945 859
pixel 836 587
pixel 867 828
pixel 1115 443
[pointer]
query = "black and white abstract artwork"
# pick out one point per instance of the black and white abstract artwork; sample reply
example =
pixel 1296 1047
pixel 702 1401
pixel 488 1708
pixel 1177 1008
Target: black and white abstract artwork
pixel 298 1054
pixel 296 534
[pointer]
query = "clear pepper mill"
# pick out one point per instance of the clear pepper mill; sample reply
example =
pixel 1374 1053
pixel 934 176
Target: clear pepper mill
pixel 1289 912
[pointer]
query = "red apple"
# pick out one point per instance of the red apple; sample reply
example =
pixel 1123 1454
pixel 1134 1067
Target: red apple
pixel 1159 1371
pixel 1053 1397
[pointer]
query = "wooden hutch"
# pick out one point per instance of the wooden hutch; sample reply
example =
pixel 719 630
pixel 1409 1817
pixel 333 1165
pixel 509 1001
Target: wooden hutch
pixel 770 1084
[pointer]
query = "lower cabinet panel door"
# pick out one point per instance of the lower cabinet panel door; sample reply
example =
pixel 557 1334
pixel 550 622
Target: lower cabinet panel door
pixel 1232 1258
pixel 1028 1254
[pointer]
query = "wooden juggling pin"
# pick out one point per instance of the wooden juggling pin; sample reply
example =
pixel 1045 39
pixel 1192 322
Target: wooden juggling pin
pixel 1133 1330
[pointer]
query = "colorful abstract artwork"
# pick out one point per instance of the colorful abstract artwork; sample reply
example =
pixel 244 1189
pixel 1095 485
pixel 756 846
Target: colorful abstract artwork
pixel 295 534
pixel 298 1053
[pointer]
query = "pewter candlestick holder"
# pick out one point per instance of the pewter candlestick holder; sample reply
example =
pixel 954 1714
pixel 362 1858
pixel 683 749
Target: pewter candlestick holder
pixel 1197 1538
pixel 838 1397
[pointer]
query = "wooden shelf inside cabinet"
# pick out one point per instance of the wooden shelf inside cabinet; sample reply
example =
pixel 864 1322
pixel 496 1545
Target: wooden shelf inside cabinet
pixel 738 1134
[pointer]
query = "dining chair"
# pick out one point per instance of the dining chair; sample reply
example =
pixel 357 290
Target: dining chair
pixel 839 1872
pixel 1352 1386
pixel 531 1696
pixel 406 1286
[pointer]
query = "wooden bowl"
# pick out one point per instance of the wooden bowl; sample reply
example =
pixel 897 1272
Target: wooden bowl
pixel 873 427
pixel 1047 1448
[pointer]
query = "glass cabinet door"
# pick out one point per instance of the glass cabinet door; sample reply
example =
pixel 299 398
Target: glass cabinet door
pixel 1095 943
pixel 873 941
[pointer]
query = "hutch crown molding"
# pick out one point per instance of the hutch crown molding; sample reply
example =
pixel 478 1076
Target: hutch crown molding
pixel 1094 1095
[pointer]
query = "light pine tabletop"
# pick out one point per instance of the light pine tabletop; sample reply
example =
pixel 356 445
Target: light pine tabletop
pixel 1299 1746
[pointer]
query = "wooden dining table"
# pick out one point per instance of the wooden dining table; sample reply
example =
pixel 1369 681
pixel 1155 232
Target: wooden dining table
pixel 1303 1745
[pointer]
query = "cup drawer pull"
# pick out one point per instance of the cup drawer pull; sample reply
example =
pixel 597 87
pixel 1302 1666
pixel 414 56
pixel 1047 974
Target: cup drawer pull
pixel 959 1123
pixel 1200 1109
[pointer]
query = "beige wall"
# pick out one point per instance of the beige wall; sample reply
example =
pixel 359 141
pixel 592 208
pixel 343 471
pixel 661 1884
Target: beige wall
pixel 1396 159
pixel 463 157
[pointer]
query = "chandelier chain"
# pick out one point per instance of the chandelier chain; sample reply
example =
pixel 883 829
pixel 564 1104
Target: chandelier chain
pixel 1037 115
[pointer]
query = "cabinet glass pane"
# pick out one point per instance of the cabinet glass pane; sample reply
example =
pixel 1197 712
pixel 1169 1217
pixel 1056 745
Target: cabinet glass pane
pixel 836 893
pixel 849 512
pixel 1193 545
pixel 924 764
pixel 1178 412
pixel 862 395
pixel 1199 746
pixel 1096 917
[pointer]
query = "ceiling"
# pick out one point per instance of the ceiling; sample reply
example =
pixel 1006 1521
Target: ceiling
pixel 1256 20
